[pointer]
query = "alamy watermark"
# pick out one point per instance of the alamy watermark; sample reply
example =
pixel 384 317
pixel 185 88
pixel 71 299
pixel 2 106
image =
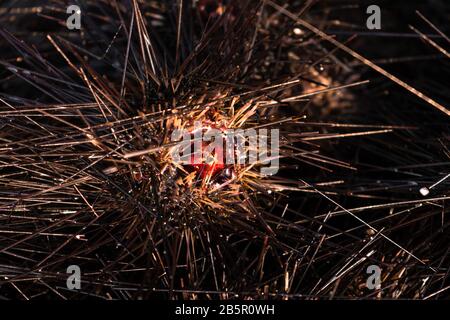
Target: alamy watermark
pixel 73 22
pixel 374 280
pixel 374 20
pixel 212 146
pixel 73 281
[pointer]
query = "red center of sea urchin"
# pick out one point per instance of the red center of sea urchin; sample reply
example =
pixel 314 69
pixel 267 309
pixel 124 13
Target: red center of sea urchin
pixel 205 169
pixel 203 165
